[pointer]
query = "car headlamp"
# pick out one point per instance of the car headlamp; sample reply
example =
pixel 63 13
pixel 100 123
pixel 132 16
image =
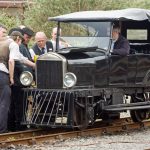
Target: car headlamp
pixel 70 79
pixel 26 78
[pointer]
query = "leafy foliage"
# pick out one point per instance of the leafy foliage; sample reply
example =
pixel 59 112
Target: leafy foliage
pixel 36 15
pixel 8 20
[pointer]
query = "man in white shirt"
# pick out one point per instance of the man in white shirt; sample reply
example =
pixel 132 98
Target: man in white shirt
pixel 14 49
pixel 15 114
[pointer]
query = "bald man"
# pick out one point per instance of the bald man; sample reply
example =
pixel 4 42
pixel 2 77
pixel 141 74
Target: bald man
pixel 62 44
pixel 42 45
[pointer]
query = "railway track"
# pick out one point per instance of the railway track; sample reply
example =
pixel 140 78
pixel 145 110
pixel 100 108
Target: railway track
pixel 36 136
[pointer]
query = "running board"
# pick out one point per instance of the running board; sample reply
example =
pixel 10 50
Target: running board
pixel 131 106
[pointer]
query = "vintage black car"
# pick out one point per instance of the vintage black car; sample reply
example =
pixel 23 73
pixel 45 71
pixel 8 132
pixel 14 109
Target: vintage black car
pixel 78 84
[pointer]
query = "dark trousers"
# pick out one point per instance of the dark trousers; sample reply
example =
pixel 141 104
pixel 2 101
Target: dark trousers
pixel 5 99
pixel 16 110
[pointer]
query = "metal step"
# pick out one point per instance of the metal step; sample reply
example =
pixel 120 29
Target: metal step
pixel 131 106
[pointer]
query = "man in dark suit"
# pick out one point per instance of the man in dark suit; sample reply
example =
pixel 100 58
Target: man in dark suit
pixel 27 34
pixel 120 45
pixel 42 45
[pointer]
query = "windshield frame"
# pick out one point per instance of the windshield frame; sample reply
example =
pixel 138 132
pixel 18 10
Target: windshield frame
pixel 109 26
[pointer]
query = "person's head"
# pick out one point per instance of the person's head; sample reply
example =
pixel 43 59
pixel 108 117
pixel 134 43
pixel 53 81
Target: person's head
pixel 15 29
pixel 3 31
pixel 40 39
pixel 54 33
pixel 27 34
pixel 17 37
pixel 115 32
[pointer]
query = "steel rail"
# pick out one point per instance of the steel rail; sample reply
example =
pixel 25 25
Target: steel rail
pixel 20 134
pixel 10 136
pixel 52 138
pixel 35 132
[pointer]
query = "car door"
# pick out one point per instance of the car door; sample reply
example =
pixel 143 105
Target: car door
pixel 118 67
pixel 143 67
pixel 132 70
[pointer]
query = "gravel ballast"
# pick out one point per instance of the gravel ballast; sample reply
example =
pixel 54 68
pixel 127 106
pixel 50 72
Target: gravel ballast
pixel 134 140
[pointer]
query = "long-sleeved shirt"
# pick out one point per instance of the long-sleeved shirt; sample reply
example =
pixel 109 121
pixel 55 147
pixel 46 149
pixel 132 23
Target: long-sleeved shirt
pixel 14 54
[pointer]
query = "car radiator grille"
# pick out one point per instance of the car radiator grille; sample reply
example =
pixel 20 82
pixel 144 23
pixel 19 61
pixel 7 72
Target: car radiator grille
pixel 49 74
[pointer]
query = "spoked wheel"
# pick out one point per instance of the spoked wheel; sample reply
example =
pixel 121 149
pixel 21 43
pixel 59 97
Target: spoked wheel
pixel 140 115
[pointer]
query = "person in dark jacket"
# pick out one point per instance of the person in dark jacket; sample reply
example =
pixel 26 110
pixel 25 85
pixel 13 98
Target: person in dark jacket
pixel 22 58
pixel 42 45
pixel 120 45
pixel 27 34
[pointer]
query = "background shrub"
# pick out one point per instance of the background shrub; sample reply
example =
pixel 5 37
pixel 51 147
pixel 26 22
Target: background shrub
pixel 36 15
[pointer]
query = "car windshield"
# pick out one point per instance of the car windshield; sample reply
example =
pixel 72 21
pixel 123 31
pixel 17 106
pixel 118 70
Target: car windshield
pixel 86 34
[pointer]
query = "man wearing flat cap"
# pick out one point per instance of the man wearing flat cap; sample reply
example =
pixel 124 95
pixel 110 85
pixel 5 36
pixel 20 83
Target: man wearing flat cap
pixel 15 29
pixel 15 113
pixel 18 38
pixel 16 35
pixel 27 34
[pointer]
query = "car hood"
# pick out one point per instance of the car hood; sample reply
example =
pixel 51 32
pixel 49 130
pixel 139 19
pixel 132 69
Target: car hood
pixel 86 61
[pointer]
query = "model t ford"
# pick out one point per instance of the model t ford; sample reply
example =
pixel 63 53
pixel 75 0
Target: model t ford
pixel 78 84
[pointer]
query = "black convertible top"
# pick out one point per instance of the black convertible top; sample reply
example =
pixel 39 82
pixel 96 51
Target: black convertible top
pixel 136 14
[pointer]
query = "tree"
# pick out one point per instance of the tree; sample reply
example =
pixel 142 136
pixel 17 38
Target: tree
pixel 37 15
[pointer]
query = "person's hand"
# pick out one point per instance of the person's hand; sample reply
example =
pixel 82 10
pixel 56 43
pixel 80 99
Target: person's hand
pixel 66 44
pixel 33 65
pixel 11 81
